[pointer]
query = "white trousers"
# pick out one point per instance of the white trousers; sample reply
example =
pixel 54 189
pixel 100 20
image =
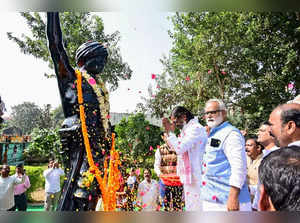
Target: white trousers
pixel 211 206
pixel 192 196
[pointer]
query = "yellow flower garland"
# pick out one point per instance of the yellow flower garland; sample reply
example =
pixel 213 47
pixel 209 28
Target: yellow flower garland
pixel 103 100
pixel 108 184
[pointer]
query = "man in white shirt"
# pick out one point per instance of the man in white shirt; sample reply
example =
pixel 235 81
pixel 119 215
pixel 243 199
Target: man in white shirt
pixel 148 192
pixel 285 124
pixel 7 184
pixel 268 142
pixel 52 185
pixel 189 147
pixel 224 186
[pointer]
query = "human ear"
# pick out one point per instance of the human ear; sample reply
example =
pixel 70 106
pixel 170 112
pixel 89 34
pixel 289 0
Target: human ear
pixel 291 127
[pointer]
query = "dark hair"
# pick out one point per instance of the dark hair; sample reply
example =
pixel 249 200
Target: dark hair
pixel 292 114
pixel 20 165
pixel 148 170
pixel 279 172
pixel 254 138
pixel 179 111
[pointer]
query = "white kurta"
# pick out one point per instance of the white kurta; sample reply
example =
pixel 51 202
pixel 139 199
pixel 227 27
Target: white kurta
pixel 147 195
pixel 7 185
pixel 192 139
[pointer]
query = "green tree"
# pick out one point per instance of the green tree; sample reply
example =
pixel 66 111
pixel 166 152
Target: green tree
pixel 25 116
pixel 45 144
pixel 249 59
pixel 137 141
pixel 77 28
pixel 57 117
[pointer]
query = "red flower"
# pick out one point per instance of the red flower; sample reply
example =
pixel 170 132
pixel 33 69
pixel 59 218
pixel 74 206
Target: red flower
pixel 158 146
pixel 214 197
pixel 108 116
pixel 153 76
pixel 150 148
pixel 223 72
pixel 187 78
pixel 204 164
pixel 203 183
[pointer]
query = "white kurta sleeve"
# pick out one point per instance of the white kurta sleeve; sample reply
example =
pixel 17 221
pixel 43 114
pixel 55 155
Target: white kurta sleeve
pixel 193 134
pixel 157 162
pixel 234 149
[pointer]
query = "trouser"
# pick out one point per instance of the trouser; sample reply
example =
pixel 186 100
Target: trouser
pixel 211 206
pixel 20 202
pixel 173 198
pixel 51 201
pixel 162 192
pixel 192 196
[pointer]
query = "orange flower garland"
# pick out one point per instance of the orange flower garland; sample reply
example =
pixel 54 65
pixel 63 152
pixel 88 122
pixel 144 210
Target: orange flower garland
pixel 109 184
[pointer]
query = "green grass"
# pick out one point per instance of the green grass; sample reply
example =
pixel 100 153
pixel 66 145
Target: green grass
pixel 35 208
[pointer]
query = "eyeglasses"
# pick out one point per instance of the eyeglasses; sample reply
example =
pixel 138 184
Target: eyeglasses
pixel 212 112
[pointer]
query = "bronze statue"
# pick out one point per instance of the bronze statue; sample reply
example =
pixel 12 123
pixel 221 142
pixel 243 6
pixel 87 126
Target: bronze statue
pixel 90 58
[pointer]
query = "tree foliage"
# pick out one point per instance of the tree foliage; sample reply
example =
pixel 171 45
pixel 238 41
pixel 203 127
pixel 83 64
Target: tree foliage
pixel 45 144
pixel 250 60
pixel 137 141
pixel 77 28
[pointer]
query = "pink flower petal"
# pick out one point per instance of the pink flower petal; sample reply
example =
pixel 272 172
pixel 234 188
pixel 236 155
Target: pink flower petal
pixel 209 71
pixel 92 81
pixel 187 78
pixel 153 76
pixel 290 86
pixel 138 172
pixel 151 148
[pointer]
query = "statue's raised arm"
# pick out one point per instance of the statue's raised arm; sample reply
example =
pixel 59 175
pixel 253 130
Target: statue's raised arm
pixel 64 71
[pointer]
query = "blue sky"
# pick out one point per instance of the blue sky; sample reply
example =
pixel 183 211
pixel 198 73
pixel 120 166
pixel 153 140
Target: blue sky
pixel 144 40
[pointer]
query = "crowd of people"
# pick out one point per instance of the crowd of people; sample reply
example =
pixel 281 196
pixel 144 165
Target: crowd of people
pixel 203 168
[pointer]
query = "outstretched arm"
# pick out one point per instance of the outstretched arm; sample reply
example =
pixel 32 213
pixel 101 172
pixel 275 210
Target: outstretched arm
pixel 64 71
pixel 58 53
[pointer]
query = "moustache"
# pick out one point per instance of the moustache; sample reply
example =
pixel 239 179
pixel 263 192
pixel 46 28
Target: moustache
pixel 271 134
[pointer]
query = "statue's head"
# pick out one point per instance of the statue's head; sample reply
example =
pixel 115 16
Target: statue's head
pixel 92 56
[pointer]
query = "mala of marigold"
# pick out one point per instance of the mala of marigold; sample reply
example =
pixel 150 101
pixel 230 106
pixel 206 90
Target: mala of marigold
pixel 109 184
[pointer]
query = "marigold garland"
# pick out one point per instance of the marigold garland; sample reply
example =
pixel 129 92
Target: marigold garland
pixel 103 100
pixel 109 184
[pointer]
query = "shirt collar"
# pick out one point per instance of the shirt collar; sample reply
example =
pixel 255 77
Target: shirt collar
pixel 296 143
